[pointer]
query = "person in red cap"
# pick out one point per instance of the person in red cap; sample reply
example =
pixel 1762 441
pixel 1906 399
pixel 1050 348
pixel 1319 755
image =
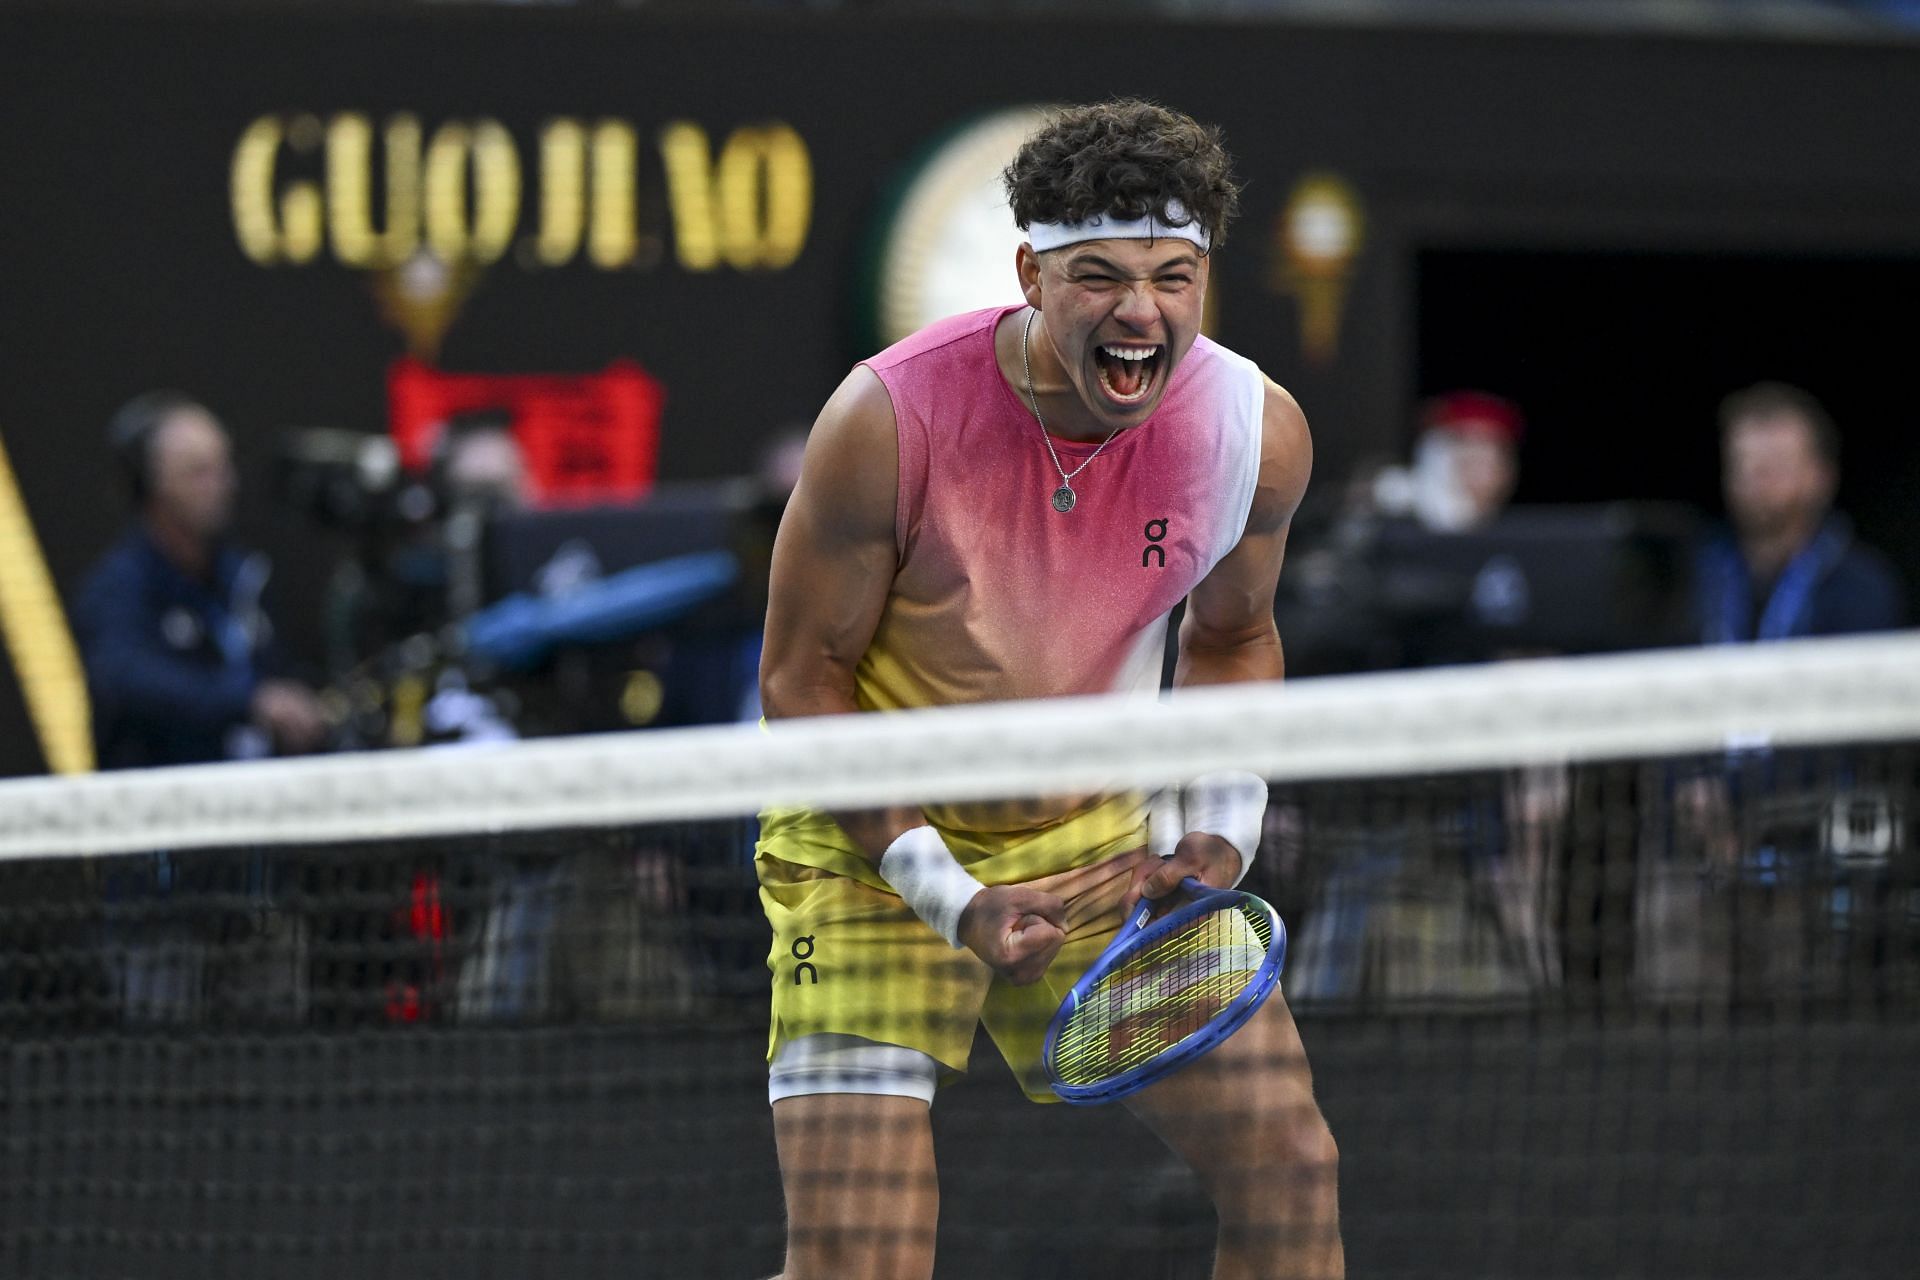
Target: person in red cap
pixel 1467 459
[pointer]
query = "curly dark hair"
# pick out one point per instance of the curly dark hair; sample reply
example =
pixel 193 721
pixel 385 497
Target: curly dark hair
pixel 1126 159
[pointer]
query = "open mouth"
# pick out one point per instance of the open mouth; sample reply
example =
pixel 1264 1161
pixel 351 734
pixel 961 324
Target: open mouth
pixel 1127 372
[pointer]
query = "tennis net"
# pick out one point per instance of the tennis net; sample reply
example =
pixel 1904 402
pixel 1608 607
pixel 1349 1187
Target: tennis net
pixel 1605 967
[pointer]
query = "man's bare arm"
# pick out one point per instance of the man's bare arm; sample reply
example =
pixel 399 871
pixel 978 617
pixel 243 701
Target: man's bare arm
pixel 1229 635
pixel 833 566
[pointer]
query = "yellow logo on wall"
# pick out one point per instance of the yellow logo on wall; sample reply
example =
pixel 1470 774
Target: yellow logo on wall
pixel 1316 240
pixel 371 195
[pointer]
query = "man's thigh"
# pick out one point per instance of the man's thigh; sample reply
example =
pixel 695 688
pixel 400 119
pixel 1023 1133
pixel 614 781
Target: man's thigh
pixel 862 1195
pixel 1225 1107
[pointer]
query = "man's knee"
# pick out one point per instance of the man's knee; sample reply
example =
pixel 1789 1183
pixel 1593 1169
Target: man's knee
pixel 1306 1142
pixel 1281 1154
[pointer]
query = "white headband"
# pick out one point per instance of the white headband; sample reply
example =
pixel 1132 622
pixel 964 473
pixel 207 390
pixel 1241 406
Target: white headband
pixel 1052 235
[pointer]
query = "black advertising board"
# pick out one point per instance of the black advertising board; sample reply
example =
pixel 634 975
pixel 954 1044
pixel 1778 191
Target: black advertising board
pixel 228 205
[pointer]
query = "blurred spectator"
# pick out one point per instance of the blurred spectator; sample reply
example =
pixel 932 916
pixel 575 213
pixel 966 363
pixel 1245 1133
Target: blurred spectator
pixel 179 659
pixel 1454 897
pixel 1789 565
pixel 178 652
pixel 1465 464
pixel 1383 581
pixel 1742 888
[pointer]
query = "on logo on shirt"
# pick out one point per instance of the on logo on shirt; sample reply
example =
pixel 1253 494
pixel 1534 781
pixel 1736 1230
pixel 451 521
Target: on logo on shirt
pixel 1156 530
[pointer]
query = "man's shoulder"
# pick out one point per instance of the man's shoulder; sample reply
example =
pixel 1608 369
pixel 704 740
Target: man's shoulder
pixel 1283 423
pixel 942 337
pixel 1866 566
pixel 1208 353
pixel 133 568
pixel 1865 589
pixel 1212 374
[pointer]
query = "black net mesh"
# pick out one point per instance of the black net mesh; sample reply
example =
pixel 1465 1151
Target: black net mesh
pixel 1653 1017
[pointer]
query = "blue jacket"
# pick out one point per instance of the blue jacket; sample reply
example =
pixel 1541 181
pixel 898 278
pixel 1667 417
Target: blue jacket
pixel 172 662
pixel 1835 586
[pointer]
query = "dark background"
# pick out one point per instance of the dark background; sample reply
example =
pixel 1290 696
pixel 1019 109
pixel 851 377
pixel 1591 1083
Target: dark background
pixel 1621 359
pixel 1613 228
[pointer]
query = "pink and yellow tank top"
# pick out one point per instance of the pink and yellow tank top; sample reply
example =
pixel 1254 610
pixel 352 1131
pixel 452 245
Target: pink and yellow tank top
pixel 999 596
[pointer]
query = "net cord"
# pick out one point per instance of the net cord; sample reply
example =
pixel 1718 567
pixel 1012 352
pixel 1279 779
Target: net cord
pixel 1564 710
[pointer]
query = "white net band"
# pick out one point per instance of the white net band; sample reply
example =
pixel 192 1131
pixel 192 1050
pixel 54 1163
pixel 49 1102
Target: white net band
pixel 1436 721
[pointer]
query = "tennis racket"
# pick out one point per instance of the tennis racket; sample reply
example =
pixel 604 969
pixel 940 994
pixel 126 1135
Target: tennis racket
pixel 1164 994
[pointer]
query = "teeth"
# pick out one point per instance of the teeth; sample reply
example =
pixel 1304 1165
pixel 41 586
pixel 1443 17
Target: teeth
pixel 1131 353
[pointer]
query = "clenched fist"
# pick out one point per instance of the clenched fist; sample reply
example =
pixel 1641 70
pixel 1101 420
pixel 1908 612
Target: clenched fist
pixel 1016 930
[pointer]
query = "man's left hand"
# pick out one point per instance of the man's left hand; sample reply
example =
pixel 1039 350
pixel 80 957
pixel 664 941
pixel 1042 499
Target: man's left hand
pixel 1200 854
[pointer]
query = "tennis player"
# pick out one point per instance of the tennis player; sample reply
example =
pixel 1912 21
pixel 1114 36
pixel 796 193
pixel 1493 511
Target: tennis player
pixel 1008 504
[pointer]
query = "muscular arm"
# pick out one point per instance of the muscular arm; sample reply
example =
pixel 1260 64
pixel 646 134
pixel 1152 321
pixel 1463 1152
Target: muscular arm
pixel 834 561
pixel 833 564
pixel 1228 634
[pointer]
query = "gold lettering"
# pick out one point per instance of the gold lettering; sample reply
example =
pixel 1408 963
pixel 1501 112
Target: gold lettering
pixel 302 208
pixel 747 205
pixel 688 158
pixel 479 232
pixel 611 241
pixel 563 179
pixel 753 208
pixel 267 234
pixel 350 195
pixel 250 190
pixel 765 193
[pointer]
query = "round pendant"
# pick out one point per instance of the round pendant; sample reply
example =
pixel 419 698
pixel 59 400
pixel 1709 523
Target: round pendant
pixel 1063 499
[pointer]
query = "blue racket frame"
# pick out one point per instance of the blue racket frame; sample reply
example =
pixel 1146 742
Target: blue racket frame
pixel 1209 1037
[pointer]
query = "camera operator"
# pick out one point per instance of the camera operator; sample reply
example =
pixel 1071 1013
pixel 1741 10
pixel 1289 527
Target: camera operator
pixel 177 648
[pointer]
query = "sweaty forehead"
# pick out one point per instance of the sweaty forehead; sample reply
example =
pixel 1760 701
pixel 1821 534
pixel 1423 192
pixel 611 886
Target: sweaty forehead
pixel 1136 256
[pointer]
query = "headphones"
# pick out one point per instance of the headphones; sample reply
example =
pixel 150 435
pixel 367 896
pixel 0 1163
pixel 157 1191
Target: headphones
pixel 131 432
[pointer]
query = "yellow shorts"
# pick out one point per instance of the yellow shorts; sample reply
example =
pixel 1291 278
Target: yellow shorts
pixel 850 957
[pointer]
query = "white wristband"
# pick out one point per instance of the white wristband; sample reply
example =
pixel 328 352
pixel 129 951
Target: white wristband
pixel 1165 822
pixel 1231 804
pixel 926 875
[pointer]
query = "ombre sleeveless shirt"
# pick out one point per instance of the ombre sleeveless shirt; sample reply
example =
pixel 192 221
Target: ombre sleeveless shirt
pixel 996 595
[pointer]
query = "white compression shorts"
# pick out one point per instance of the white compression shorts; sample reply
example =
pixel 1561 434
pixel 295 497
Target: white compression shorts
pixel 829 1062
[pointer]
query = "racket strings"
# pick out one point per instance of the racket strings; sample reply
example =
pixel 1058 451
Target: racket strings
pixel 1161 996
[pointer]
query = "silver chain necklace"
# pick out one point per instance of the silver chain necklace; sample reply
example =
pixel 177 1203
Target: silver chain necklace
pixel 1063 497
